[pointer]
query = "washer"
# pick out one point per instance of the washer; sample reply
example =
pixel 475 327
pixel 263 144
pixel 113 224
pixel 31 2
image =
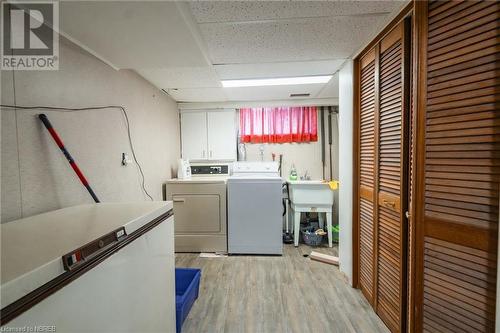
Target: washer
pixel 255 209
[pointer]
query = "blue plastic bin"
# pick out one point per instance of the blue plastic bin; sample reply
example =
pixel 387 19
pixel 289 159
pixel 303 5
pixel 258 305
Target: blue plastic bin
pixel 187 286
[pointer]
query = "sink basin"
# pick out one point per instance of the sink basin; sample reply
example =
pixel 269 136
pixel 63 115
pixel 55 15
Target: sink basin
pixel 315 193
pixel 307 182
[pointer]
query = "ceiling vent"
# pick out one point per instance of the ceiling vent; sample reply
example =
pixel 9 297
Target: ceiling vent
pixel 300 95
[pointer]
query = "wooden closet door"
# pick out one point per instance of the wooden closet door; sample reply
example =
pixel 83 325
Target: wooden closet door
pixel 366 173
pixel 392 179
pixel 458 165
pixel 383 163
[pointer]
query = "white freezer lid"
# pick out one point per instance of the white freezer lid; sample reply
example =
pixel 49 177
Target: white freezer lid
pixel 32 247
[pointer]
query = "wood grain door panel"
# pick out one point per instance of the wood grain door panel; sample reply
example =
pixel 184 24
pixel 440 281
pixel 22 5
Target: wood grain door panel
pixel 457 165
pixel 391 223
pixel 367 175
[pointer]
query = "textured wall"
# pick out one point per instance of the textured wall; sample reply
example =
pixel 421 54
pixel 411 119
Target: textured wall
pixel 345 167
pixel 35 177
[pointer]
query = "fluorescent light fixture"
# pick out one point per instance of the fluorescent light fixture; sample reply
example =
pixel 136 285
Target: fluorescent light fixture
pixel 283 81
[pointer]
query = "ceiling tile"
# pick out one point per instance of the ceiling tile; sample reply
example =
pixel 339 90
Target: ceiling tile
pixel 239 11
pixel 303 40
pixel 182 77
pixel 244 39
pixel 283 69
pixel 132 34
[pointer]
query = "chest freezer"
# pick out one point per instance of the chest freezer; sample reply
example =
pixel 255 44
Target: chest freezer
pixel 90 268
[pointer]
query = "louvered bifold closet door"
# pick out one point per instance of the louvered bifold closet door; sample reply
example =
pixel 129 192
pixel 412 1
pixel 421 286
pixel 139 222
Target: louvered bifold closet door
pixel 459 165
pixel 366 174
pixel 391 225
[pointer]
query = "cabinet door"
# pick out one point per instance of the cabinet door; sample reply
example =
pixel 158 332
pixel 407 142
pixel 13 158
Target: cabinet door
pixel 194 135
pixel 221 135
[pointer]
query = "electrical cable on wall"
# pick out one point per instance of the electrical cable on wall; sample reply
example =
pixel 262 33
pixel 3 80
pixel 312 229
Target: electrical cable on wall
pixel 64 109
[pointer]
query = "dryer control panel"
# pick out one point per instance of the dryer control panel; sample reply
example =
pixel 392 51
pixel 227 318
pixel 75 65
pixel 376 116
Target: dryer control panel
pixel 210 169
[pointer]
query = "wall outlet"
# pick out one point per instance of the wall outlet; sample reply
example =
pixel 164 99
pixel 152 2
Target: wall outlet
pixel 126 159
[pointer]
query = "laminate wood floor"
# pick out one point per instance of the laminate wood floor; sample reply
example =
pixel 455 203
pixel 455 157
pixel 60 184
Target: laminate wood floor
pixel 264 294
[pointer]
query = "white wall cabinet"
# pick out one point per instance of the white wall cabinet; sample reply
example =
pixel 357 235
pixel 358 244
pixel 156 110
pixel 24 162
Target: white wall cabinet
pixel 208 135
pixel 221 135
pixel 194 135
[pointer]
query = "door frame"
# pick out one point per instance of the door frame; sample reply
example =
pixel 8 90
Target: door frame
pixel 419 28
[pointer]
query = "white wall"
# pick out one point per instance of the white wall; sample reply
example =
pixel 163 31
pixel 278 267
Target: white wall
pixel 35 176
pixel 346 167
pixel 305 156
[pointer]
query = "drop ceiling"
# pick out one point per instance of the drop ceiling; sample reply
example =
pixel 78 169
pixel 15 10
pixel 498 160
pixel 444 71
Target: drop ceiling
pixel 186 48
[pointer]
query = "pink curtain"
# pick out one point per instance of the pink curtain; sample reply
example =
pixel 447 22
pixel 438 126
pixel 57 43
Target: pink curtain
pixel 278 125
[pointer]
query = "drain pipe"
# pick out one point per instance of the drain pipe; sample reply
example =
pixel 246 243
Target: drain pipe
pixel 322 118
pixel 330 139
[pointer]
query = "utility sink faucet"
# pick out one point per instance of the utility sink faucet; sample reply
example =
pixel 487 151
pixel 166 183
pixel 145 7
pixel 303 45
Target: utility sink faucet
pixel 306 176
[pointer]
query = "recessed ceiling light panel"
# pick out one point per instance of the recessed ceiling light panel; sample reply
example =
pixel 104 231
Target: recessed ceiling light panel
pixel 283 81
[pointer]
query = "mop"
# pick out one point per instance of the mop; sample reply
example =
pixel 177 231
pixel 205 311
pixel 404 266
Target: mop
pixel 287 235
pixel 68 156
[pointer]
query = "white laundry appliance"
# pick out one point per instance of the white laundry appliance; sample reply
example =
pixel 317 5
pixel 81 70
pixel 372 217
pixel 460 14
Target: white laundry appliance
pixel 255 209
pixel 200 208
pixel 106 267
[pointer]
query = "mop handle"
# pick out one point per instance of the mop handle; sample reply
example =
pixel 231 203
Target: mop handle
pixel 66 153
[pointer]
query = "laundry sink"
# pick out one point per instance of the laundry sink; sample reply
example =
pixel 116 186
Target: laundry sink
pixel 310 192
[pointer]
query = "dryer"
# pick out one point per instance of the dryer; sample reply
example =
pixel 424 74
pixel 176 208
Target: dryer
pixel 200 206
